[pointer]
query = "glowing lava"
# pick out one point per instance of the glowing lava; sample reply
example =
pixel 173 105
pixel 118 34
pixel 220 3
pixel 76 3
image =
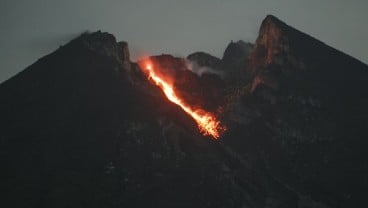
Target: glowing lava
pixel 207 122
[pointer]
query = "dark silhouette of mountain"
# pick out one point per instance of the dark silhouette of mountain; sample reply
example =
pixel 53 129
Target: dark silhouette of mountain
pixel 304 115
pixel 236 51
pixel 83 127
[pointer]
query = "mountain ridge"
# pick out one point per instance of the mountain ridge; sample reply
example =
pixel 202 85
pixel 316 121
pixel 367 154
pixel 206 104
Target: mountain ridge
pixel 272 27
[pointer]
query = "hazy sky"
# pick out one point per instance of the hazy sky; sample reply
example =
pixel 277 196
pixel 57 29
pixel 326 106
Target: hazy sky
pixel 31 29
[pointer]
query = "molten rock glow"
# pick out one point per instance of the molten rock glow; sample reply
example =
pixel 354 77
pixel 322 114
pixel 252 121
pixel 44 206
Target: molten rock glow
pixel 207 122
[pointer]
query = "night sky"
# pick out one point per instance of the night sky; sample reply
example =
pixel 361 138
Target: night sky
pixel 32 29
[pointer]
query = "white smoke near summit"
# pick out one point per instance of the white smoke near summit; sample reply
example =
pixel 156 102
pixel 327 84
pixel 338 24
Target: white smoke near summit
pixel 200 70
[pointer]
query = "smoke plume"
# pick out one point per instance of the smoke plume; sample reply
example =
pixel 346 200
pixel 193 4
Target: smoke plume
pixel 200 70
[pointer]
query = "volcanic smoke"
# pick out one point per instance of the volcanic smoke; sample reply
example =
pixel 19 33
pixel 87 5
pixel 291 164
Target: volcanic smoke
pixel 207 122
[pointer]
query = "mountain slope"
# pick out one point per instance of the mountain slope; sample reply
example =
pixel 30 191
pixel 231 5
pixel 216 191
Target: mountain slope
pixel 82 127
pixel 304 115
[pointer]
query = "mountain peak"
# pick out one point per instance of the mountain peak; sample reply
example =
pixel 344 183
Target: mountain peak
pixel 283 45
pixel 272 41
pixel 105 44
pixel 270 19
pixel 272 27
pixel 236 50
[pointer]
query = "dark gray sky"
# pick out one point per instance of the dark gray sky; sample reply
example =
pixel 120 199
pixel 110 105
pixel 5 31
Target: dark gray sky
pixel 31 29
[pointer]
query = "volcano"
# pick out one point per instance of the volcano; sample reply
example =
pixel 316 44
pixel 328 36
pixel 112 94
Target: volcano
pixel 86 127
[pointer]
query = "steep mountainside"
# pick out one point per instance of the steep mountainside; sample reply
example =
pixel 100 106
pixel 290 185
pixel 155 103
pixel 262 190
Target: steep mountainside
pixel 82 127
pixel 305 115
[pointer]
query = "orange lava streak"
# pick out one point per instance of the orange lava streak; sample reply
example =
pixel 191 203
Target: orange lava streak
pixel 207 122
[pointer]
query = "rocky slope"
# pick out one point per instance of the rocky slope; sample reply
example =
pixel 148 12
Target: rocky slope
pixel 83 127
pixel 305 115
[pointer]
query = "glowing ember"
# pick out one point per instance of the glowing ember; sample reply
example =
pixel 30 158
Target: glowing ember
pixel 207 122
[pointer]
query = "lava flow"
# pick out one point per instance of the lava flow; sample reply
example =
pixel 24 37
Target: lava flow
pixel 207 123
